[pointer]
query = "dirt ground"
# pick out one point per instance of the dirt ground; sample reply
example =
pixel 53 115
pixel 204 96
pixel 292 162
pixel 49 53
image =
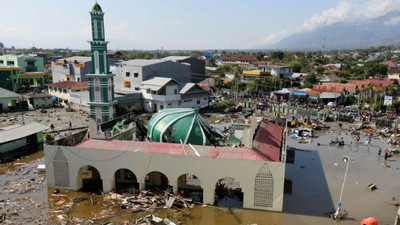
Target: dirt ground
pixel 59 117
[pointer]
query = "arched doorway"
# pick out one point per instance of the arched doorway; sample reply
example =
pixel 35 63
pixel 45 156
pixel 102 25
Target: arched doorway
pixel 91 179
pixel 125 181
pixel 190 186
pixel 228 193
pixel 157 181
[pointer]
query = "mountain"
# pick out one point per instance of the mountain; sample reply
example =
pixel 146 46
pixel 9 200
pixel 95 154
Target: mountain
pixel 375 32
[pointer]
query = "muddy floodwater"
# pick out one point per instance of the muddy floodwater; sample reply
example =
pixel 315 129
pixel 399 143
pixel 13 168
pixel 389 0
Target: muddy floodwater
pixel 314 183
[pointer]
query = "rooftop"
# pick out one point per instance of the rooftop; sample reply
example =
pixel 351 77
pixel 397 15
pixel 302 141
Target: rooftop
pixel 175 58
pixel 73 85
pixel 192 88
pixel 78 58
pixel 175 149
pixel 268 140
pixel 142 62
pixel 4 93
pixel 335 87
pixel 9 134
pixel 157 83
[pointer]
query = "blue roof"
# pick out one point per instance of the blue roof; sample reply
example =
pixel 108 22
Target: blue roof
pixel 207 55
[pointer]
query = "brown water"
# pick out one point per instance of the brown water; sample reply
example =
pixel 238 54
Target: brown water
pixel 198 215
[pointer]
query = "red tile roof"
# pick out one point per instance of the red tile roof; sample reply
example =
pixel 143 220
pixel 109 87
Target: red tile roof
pixel 250 58
pixel 378 81
pixel 389 63
pixel 394 71
pixel 268 140
pixel 335 87
pixel 175 149
pixel 73 85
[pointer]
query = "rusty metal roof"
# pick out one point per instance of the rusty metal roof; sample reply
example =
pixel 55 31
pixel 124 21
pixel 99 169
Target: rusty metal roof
pixel 175 149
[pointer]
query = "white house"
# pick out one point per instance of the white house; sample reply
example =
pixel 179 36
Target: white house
pixel 162 93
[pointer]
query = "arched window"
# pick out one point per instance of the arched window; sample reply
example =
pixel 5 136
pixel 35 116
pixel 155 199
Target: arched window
pixel 102 30
pixel 105 62
pixel 96 62
pixel 109 90
pixel 97 93
pixel 111 111
pixel 99 117
pixel 96 35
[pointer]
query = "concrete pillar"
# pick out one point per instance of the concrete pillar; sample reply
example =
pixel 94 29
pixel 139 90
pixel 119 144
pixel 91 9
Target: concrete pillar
pixel 208 194
pixel 142 186
pixel 175 187
pixel 107 185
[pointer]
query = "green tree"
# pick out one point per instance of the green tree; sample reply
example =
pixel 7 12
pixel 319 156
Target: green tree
pixel 320 69
pixel 296 66
pixel 212 62
pixel 310 80
pixel 277 55
pixel 342 81
pixel 374 69
pixel 218 82
pixel 253 86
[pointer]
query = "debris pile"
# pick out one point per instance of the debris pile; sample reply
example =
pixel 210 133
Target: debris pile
pixel 113 205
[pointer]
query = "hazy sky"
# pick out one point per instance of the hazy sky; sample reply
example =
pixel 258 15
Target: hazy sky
pixel 176 24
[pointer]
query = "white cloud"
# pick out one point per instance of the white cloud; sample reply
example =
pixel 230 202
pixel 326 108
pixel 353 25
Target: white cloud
pixel 393 21
pixel 345 11
pixel 276 37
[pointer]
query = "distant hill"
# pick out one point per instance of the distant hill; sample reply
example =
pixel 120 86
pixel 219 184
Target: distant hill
pixel 375 32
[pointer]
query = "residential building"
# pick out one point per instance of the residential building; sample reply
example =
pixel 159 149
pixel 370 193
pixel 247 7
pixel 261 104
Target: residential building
pixel 336 98
pixel 336 88
pixel 198 66
pixel 71 69
pixel 39 100
pixel 8 100
pixel 328 78
pixel 193 96
pixel 163 93
pixel 160 93
pixel 7 73
pixel 249 75
pixel 394 74
pixel 115 54
pixel 390 65
pixel 239 59
pixel 62 90
pixel 27 63
pixel 130 74
pixel 282 72
pixel 22 71
pixel 18 140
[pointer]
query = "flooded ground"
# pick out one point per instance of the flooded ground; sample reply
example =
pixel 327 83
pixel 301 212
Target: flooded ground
pixel 315 177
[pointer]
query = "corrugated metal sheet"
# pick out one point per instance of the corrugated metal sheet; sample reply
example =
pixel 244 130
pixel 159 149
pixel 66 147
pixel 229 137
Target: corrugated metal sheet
pixel 268 140
pixel 175 149
pixel 21 132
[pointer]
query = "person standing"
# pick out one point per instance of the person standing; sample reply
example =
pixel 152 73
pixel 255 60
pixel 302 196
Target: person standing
pixel 386 154
pixel 70 125
pixel 379 152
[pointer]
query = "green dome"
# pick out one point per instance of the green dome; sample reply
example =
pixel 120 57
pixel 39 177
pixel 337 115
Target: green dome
pixel 96 8
pixel 174 125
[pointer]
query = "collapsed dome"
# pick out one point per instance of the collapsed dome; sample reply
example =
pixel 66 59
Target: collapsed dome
pixel 176 125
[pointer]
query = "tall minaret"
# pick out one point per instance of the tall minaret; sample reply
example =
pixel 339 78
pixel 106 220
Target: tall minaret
pixel 101 84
